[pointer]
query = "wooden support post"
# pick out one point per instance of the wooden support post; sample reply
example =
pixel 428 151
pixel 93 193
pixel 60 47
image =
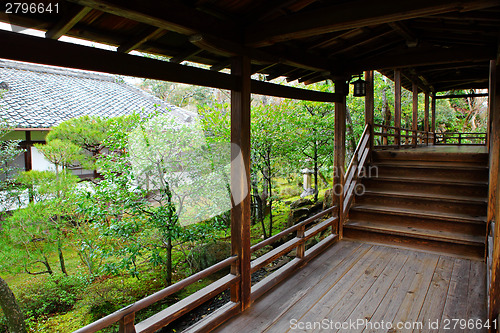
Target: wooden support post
pixel 339 158
pixel 301 249
pixel 28 161
pixel 240 179
pixel 126 324
pixel 414 89
pixel 433 114
pixel 426 118
pixel 369 105
pixel 397 106
pixel 494 187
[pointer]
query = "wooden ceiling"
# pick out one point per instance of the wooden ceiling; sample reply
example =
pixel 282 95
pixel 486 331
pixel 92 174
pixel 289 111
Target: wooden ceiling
pixel 440 45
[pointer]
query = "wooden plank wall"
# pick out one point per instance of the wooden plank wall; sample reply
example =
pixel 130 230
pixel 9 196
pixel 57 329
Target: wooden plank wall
pixel 494 188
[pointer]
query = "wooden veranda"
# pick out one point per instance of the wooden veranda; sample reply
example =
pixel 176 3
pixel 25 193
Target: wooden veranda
pixel 426 46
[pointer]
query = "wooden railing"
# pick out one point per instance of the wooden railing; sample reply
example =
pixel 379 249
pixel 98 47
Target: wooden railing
pixel 304 231
pixel 393 137
pixel 126 316
pixel 356 167
pixel 457 138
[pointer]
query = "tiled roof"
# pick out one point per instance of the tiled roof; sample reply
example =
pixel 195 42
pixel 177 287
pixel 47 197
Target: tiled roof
pixel 41 96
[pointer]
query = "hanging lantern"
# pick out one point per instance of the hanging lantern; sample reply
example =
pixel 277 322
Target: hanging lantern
pixel 359 87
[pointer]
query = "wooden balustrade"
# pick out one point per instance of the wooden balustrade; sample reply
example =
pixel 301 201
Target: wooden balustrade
pixel 393 137
pixel 304 230
pixel 126 316
pixel 356 167
pixel 458 138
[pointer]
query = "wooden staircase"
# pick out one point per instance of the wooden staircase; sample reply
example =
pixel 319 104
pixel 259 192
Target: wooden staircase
pixel 429 200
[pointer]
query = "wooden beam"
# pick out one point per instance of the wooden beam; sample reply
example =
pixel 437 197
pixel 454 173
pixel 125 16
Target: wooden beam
pixel 339 152
pixel 265 88
pixel 169 15
pixel 461 96
pixel 494 188
pixel 240 180
pixel 350 15
pixel 405 32
pixel 295 58
pixel 422 56
pixel 149 34
pixel 184 56
pixel 56 53
pixel 415 110
pixel 397 102
pixel 68 22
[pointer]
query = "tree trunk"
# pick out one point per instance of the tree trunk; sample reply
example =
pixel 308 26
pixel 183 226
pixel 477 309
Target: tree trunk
pixel 15 318
pixel 61 258
pixel 169 261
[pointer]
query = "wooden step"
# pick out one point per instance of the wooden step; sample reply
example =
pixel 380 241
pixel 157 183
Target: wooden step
pixel 434 164
pixel 431 186
pixel 429 155
pixel 408 221
pixel 422 214
pixel 416 232
pixel 417 241
pixel 423 202
pixel 435 172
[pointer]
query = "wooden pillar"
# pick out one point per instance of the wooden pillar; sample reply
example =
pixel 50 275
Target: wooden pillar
pixel 494 187
pixel 369 104
pixel 426 118
pixel 433 113
pixel 414 89
pixel 397 105
pixel 240 179
pixel 28 161
pixel 339 158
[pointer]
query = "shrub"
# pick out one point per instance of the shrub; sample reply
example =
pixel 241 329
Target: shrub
pixel 50 294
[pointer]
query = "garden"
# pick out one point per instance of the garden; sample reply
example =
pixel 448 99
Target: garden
pixel 73 251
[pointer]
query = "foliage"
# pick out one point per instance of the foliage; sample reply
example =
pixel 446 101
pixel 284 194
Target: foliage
pixel 50 294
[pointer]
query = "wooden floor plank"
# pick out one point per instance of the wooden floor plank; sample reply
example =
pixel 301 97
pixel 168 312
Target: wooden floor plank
pixel 456 300
pixel 316 294
pixel 435 299
pixel 415 296
pixel 476 300
pixel 352 281
pixel 364 302
pixel 387 309
pixel 339 302
pixel 263 312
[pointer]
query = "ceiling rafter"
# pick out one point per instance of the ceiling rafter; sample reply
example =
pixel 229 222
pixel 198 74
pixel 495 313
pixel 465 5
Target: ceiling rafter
pixel 69 21
pixel 342 17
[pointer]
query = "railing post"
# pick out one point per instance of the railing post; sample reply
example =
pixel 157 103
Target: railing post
pixel 127 323
pixel 460 138
pixel 301 248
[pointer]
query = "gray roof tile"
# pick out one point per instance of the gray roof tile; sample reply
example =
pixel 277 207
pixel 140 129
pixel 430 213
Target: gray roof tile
pixel 44 96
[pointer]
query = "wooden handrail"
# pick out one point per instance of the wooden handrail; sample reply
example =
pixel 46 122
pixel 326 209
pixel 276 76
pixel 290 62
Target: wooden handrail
pixel 288 231
pixel 355 167
pixel 403 137
pixel 158 296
